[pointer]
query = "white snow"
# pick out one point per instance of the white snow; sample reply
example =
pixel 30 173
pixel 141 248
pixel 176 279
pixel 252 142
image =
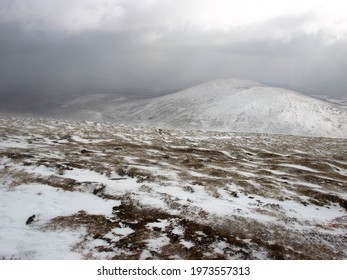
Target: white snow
pixel 156 243
pixel 297 166
pixel 162 224
pixel 187 244
pixel 6 145
pixel 230 105
pixel 19 240
pixel 119 232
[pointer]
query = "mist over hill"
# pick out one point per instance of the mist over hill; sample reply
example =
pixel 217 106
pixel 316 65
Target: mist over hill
pixel 232 105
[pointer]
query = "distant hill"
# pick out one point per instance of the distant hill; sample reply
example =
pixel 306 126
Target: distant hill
pixel 222 105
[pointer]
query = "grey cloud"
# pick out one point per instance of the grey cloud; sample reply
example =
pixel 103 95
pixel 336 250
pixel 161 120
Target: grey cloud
pixel 41 62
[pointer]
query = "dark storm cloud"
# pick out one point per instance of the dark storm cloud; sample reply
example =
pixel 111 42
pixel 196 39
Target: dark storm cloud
pixel 40 57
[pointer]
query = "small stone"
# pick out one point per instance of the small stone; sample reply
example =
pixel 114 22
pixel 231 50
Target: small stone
pixel 30 220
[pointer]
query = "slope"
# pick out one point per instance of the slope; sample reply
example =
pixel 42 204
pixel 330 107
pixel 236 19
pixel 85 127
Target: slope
pixel 80 190
pixel 232 105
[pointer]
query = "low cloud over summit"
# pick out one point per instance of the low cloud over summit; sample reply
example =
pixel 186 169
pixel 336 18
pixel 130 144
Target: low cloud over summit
pixel 51 47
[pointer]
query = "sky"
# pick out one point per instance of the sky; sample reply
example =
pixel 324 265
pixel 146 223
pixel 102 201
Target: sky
pixel 52 47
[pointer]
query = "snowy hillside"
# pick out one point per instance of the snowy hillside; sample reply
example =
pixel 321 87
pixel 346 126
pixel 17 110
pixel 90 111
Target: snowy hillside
pixel 84 190
pixel 230 105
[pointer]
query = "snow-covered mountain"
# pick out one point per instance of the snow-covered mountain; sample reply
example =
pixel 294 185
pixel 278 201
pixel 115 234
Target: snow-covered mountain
pixel 228 105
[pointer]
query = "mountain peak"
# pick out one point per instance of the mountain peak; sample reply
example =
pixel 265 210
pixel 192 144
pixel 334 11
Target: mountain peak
pixel 232 105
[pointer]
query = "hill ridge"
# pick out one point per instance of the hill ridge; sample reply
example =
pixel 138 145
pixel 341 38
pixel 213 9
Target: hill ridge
pixel 232 105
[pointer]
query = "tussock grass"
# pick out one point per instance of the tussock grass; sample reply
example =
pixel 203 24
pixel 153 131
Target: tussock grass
pixel 258 165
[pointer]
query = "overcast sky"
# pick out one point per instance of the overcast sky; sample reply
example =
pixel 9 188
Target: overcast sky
pixel 52 46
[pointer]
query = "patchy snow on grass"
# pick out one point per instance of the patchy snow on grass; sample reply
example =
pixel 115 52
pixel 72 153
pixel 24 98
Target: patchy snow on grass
pixel 6 145
pixel 19 240
pixel 107 191
pixel 297 166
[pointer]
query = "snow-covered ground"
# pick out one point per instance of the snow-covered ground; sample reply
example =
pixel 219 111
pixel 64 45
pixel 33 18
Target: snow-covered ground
pixel 222 105
pixel 337 100
pixel 85 190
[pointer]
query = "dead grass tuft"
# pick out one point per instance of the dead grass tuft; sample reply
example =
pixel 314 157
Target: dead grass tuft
pixel 96 225
pixel 320 198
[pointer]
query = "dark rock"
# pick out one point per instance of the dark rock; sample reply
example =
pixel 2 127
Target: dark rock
pixel 115 209
pixel 97 236
pixel 234 194
pixel 99 190
pixel 305 203
pixel 30 220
